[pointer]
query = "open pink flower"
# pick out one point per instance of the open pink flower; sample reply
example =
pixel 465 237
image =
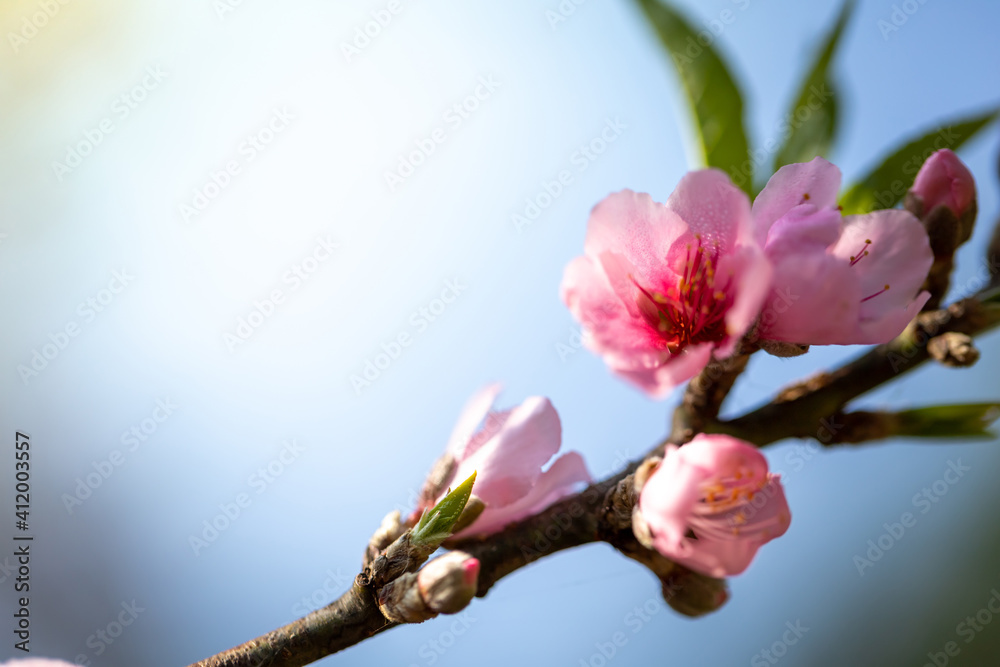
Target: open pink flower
pixel 661 288
pixel 508 452
pixel 37 662
pixel 712 503
pixel 944 180
pixel 837 280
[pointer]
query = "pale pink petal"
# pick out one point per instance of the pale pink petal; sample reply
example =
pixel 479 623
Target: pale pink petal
pixel 561 479
pixel 668 499
pixel 748 265
pixel 815 182
pixel 510 462
pixel 658 379
pixel 472 416
pixel 804 228
pixel 37 662
pixel 588 294
pixel 899 255
pixel 814 300
pixel 890 323
pixel 723 455
pixel 621 275
pixel 712 207
pixel 631 224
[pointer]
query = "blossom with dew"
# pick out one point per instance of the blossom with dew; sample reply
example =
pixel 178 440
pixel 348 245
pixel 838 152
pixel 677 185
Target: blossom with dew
pixel 662 288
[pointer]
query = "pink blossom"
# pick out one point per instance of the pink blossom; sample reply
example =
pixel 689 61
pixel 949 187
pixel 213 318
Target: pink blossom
pixel 837 280
pixel 660 288
pixel 508 452
pixel 712 503
pixel 944 180
pixel 37 662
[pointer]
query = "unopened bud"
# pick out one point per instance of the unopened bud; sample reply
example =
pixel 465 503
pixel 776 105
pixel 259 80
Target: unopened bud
pixel 777 348
pixel 639 526
pixel 445 585
pixel 642 473
pixel 438 480
pixel 943 196
pixel 448 583
pixel 390 529
pixel 953 349
pixel 945 181
pixel 694 594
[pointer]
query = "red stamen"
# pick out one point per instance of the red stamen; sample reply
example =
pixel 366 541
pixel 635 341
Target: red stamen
pixel 862 253
pixel 694 310
pixel 884 289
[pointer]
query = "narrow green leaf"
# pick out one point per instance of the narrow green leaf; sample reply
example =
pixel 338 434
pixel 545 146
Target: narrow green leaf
pixel 885 185
pixel 949 421
pixel 812 120
pixel 436 523
pixel 715 100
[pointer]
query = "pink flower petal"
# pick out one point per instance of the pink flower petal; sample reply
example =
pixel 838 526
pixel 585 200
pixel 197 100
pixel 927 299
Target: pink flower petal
pixel 631 224
pixel 815 182
pixel 560 480
pixel 510 462
pixel 899 255
pixel 472 416
pixel 508 453
pixel 814 300
pixel 657 377
pixel 750 266
pixel 712 206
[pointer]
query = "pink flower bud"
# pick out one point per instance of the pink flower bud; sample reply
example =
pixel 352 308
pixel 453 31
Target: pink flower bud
pixel 712 503
pixel 944 180
pixel 448 583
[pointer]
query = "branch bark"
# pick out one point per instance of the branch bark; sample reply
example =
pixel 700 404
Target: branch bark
pixel 804 410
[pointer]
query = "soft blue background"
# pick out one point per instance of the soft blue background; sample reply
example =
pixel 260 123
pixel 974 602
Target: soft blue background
pixel 366 454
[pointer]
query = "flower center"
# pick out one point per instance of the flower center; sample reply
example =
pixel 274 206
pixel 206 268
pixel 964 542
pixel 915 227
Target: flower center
pixel 693 310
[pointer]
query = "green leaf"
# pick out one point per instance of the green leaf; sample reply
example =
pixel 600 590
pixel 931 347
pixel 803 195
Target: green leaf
pixel 812 120
pixel 436 523
pixel 885 185
pixel 949 421
pixel 711 91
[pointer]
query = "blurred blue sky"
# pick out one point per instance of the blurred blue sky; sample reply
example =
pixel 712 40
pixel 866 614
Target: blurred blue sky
pixel 265 90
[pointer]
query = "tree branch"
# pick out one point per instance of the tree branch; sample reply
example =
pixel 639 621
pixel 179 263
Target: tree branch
pixel 804 410
pixel 352 618
pixel 809 409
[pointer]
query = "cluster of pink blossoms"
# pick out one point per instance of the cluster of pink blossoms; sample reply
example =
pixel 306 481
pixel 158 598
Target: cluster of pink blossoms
pixel 664 289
